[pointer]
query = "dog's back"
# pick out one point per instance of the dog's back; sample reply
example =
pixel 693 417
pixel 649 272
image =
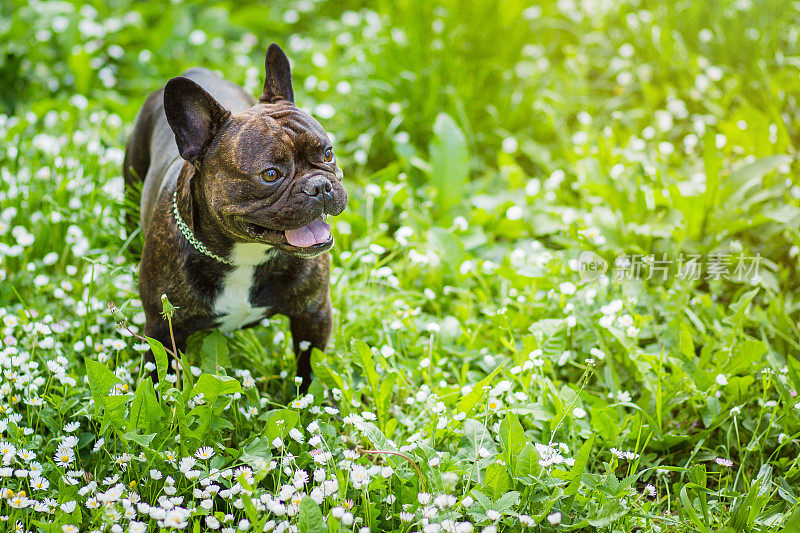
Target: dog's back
pixel 151 148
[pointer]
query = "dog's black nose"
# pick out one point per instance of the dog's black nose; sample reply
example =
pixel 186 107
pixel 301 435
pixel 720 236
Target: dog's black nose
pixel 317 185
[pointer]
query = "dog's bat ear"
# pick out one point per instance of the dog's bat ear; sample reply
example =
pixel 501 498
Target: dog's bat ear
pixel 278 85
pixel 194 116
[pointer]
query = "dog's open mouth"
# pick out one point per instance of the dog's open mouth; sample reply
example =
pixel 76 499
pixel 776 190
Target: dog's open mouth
pixel 313 236
pixel 318 232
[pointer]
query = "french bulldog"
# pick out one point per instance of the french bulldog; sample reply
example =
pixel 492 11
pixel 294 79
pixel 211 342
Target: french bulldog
pixel 234 202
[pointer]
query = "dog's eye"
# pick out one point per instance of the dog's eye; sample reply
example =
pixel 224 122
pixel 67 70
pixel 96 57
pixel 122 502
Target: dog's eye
pixel 328 155
pixel 270 175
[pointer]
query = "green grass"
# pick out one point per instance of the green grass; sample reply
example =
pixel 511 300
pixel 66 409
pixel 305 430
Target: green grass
pixel 475 378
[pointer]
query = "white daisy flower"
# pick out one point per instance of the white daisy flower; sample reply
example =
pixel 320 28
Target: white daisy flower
pixel 64 456
pixel 206 452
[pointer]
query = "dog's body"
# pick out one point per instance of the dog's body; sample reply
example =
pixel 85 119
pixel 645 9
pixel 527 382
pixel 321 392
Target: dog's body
pixel 252 182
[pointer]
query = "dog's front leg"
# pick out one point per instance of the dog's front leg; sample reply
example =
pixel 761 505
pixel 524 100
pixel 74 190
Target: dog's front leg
pixel 310 330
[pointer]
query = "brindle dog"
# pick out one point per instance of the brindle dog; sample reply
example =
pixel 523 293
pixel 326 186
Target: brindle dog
pixel 233 208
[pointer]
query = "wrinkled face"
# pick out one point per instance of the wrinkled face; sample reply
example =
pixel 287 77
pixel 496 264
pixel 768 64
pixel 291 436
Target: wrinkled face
pixel 270 176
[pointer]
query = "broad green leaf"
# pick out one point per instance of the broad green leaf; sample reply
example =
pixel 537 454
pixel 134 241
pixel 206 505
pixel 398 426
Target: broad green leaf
pixel 211 386
pixel 279 422
pixel 605 422
pixel 257 451
pixel 323 371
pixel 609 514
pixel 384 399
pixel 449 249
pixel 309 518
pixel 506 501
pixel 581 459
pixel 533 411
pixel 249 508
pixel 449 161
pixel 748 176
pixel 512 438
pixel 527 463
pixel 697 475
pixel 187 379
pixel 197 421
pixel 381 443
pixel 101 379
pixel 748 508
pixel 496 481
pixel 792 525
pixel 145 411
pixel 49 527
pixel 114 412
pixel 711 411
pixel 475 436
pixel 381 391
pixel 161 357
pixel 367 363
pixel 317 390
pixel 550 334
pixel 482 500
pixel 466 403
pixel 79 62
pixel 214 353
pixel 785 490
pixel 740 308
pixel 377 438
pixel 689 509
pixel 686 342
pixel 114 403
pixel 747 353
pixel 142 440
pixel 793 365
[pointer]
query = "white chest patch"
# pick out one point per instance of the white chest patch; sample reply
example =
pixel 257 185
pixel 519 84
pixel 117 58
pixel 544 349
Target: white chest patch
pixel 233 303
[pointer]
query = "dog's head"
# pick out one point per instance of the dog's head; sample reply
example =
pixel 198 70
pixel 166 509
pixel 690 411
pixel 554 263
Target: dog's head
pixel 267 175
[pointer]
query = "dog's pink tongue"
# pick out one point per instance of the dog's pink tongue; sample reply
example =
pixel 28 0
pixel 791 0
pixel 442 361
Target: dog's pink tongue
pixel 317 232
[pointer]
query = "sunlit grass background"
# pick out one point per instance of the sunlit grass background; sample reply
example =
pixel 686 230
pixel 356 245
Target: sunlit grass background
pixel 485 146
